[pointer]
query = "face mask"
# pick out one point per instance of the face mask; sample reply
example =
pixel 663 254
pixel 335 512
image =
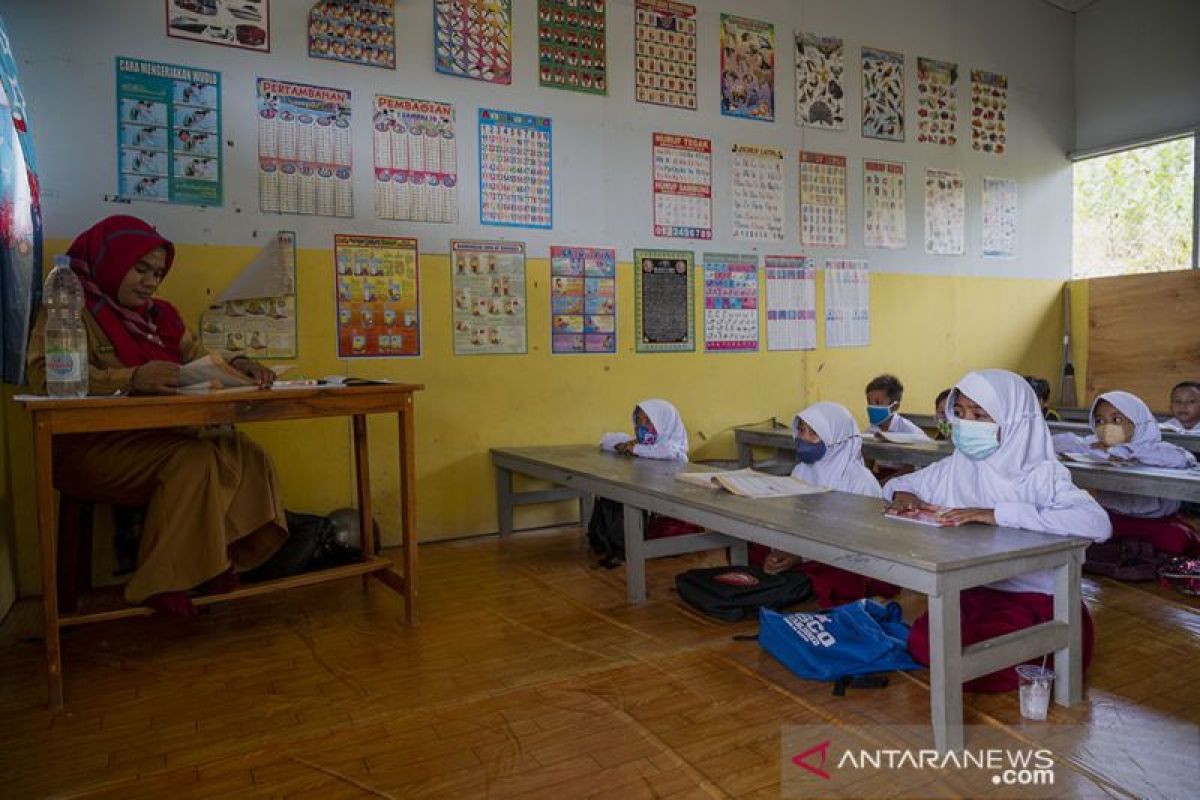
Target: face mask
pixel 945 428
pixel 1111 434
pixel 645 435
pixel 877 415
pixel 809 453
pixel 976 439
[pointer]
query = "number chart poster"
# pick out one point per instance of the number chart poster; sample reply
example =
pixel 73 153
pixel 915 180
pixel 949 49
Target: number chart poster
pixel 757 193
pixel 747 68
pixel 583 299
pixel 304 149
pixel 937 102
pixel 416 160
pixel 515 188
pixel 945 212
pixel 663 291
pixel 791 303
pixel 473 39
pixel 571 45
pixel 999 217
pixel 884 204
pixel 820 82
pixel 378 296
pixel 169 147
pixel 730 303
pixel 666 53
pixel 822 199
pixel 682 186
pixel 489 297
pixel 882 94
pixel 989 111
pixel 354 31
pixel 847 303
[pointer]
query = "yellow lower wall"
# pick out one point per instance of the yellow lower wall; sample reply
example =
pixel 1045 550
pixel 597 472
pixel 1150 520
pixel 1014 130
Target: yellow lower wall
pixel 929 330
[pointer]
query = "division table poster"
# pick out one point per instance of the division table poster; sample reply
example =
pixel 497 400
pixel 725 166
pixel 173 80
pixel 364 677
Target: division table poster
pixel 682 186
pixel 791 303
pixel 730 303
pixel 488 282
pixel 378 296
pixel 515 187
pixel 416 160
pixel 583 299
pixel 169 143
pixel 664 294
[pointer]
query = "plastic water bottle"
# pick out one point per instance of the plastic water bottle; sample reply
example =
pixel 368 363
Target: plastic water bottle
pixel 66 338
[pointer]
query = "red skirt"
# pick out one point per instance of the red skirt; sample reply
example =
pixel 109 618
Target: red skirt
pixel 832 586
pixel 1171 535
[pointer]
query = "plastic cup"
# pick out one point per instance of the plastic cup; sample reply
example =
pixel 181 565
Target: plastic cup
pixel 1036 684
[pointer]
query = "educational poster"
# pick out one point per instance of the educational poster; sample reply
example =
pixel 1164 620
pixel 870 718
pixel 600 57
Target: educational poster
pixel 730 303
pixel 378 296
pixel 820 82
pixel 747 68
pixel 304 149
pixel 757 193
pixel 999 217
pixel 416 160
pixel 822 199
pixel 514 170
pixel 937 102
pixel 232 23
pixel 682 186
pixel 882 94
pixel 256 314
pixel 989 111
pixel 473 39
pixel 354 31
pixel 663 294
pixel 572 46
pixel 666 53
pixel 583 300
pixel 489 297
pixel 884 204
pixel 169 144
pixel 847 303
pixel 791 303
pixel 945 212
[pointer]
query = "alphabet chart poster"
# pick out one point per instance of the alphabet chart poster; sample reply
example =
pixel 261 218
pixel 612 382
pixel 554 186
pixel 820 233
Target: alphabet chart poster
pixel 820 82
pixel 514 170
pixel 883 204
pixel 583 300
pixel 822 199
pixel 473 39
pixel 747 68
pixel 757 196
pixel 999 217
pixel 682 186
pixel 666 53
pixel 791 303
pixel 571 45
pixel 416 160
pixel 169 143
pixel 847 303
pixel 304 149
pixel 937 102
pixel 378 296
pixel 488 282
pixel 989 111
pixel 882 94
pixel 354 31
pixel 663 293
pixel 730 303
pixel 945 212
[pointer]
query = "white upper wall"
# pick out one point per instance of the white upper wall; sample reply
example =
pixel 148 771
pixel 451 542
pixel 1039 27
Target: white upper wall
pixel 602 194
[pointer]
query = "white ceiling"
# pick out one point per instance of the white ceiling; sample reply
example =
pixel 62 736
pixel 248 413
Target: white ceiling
pixel 1072 6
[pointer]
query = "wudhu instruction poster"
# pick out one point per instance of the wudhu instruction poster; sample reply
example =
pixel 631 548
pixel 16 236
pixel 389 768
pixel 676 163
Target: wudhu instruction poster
pixel 663 294
pixel 256 314
pixel 378 296
pixel 730 303
pixel 416 160
pixel 847 303
pixel 488 283
pixel 169 142
pixel 583 299
pixel 791 303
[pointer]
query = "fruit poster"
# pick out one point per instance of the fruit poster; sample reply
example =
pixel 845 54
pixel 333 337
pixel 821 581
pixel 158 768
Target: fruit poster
pixel 882 94
pixel 473 39
pixel 822 199
pixel 354 31
pixel 945 212
pixel 515 187
pixel 583 300
pixel 682 186
pixel 416 160
pixel 756 193
pixel 663 294
pixel 747 68
pixel 989 111
pixel 572 47
pixel 884 223
pixel 820 82
pixel 378 296
pixel 665 73
pixel 791 303
pixel 730 303
pixel 488 282
pixel 937 102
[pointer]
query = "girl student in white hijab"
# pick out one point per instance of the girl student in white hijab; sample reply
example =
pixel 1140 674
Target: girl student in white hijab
pixel 1003 472
pixel 658 433
pixel 1124 429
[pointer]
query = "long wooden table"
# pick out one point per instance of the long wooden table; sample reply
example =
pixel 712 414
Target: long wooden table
pixel 847 531
pixel 52 417
pixel 1080 427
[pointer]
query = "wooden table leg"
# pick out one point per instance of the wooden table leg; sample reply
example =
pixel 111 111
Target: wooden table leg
pixel 945 670
pixel 408 511
pixel 745 455
pixel 635 556
pixel 44 465
pixel 362 480
pixel 1068 662
pixel 504 506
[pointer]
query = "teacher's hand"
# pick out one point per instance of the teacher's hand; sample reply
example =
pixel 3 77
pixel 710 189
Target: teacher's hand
pixel 156 377
pixel 263 376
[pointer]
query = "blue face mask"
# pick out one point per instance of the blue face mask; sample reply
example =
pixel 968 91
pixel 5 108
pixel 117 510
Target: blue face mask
pixel 976 439
pixel 877 415
pixel 809 453
pixel 645 435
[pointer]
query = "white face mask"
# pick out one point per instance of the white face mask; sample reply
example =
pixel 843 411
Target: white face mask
pixel 1111 434
pixel 976 439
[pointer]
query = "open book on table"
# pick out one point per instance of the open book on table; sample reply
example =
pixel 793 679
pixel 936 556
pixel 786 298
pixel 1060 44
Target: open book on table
pixel 923 517
pixel 751 483
pixel 1098 457
pixel 212 373
pixel 904 438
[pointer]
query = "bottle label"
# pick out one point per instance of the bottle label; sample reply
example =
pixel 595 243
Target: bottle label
pixel 62 365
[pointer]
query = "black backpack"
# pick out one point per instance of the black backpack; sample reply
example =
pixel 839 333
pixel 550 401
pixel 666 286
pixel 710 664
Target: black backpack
pixel 732 594
pixel 606 532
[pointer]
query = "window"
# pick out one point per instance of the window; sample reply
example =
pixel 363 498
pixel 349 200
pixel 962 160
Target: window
pixel 1135 210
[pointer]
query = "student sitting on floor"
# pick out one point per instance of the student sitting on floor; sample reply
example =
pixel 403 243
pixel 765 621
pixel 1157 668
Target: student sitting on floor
pixel 1124 428
pixel 1003 472
pixel 1041 387
pixel 884 394
pixel 939 414
pixel 1185 408
pixel 658 433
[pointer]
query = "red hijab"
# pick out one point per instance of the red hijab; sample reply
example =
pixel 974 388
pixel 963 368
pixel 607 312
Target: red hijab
pixel 102 256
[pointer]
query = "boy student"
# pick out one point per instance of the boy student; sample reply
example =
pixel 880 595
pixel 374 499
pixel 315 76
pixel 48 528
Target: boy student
pixel 884 393
pixel 939 414
pixel 1185 408
pixel 1041 387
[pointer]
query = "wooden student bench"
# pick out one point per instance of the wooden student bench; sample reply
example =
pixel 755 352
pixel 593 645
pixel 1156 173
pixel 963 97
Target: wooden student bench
pixel 847 531
pixel 52 417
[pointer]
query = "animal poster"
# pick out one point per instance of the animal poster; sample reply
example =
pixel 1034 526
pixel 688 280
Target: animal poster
pixel 416 160
pixel 757 193
pixel 304 150
pixel 378 296
pixel 847 303
pixel 256 314
pixel 169 138
pixel 999 217
pixel 488 282
pixel 730 303
pixel 884 222
pixel 682 186
pixel 989 111
pixel 747 68
pixel 820 82
pixel 666 53
pixel 791 303
pixel 937 102
pixel 882 94
pixel 572 51
pixel 233 23
pixel 354 31
pixel 583 300
pixel 473 39
pixel 822 199
pixel 663 293
pixel 514 170
pixel 945 212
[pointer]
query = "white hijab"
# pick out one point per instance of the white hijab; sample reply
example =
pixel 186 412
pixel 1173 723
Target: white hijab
pixel 1145 426
pixel 672 436
pixel 841 468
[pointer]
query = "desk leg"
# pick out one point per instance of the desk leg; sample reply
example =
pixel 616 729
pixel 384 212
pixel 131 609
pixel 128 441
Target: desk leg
pixel 504 505
pixel 44 480
pixel 635 557
pixel 587 502
pixel 1068 662
pixel 739 553
pixel 362 479
pixel 745 455
pixel 408 514
pixel 945 670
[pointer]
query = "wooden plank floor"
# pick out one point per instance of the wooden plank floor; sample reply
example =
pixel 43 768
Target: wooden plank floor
pixel 528 677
